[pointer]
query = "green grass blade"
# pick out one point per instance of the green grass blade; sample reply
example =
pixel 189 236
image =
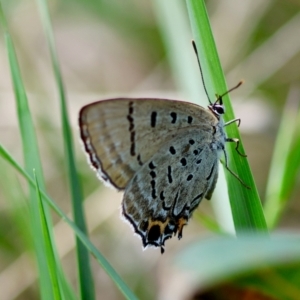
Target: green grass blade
pixel 125 290
pixel 285 162
pixel 175 28
pixel 29 141
pixel 86 282
pixel 31 159
pixel 50 257
pixel 245 203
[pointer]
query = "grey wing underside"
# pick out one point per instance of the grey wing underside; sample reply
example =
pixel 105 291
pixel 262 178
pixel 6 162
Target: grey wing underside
pixel 173 182
pixel 213 184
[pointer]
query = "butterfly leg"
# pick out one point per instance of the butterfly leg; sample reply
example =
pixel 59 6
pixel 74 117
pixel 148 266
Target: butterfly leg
pixel 231 172
pixel 233 121
pixel 237 141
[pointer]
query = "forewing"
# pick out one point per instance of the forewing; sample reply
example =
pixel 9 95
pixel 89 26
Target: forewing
pixel 161 196
pixel 120 135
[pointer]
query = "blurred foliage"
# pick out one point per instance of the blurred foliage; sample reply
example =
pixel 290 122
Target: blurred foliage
pixel 117 48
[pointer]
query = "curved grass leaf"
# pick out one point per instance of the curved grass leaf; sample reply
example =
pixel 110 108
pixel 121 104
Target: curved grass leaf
pixel 175 28
pixel 86 282
pixel 32 161
pixel 50 256
pixel 127 293
pixel 245 203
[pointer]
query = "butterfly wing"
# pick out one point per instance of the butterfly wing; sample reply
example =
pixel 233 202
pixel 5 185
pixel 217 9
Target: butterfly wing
pixel 213 185
pixel 120 135
pixel 162 195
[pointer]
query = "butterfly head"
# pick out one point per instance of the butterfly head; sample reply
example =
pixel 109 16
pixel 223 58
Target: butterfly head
pixel 217 108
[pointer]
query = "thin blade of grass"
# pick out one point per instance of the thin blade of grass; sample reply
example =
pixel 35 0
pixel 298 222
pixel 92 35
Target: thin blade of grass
pixel 175 27
pixel 285 162
pixel 245 203
pixel 50 257
pixel 86 282
pixel 125 290
pixel 31 159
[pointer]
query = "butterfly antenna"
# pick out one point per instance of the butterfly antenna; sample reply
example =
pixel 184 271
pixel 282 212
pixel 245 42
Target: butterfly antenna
pixel 232 89
pixel 202 77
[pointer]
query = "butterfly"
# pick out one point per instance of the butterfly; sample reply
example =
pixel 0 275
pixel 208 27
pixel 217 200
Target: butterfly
pixel 164 154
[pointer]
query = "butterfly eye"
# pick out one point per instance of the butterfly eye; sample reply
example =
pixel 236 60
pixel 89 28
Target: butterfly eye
pixel 219 109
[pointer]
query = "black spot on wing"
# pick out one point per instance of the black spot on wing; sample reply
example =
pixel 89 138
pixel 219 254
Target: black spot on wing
pixel 172 150
pixel 131 128
pixel 170 179
pixel 130 108
pixel 131 123
pixel 190 177
pixel 174 117
pixel 152 174
pixel 183 162
pixel 132 140
pixel 190 119
pixel 151 165
pixel 153 118
pixel 153 193
pixel 154 233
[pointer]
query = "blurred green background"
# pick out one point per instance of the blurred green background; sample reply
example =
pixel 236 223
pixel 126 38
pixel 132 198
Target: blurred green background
pixel 118 48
